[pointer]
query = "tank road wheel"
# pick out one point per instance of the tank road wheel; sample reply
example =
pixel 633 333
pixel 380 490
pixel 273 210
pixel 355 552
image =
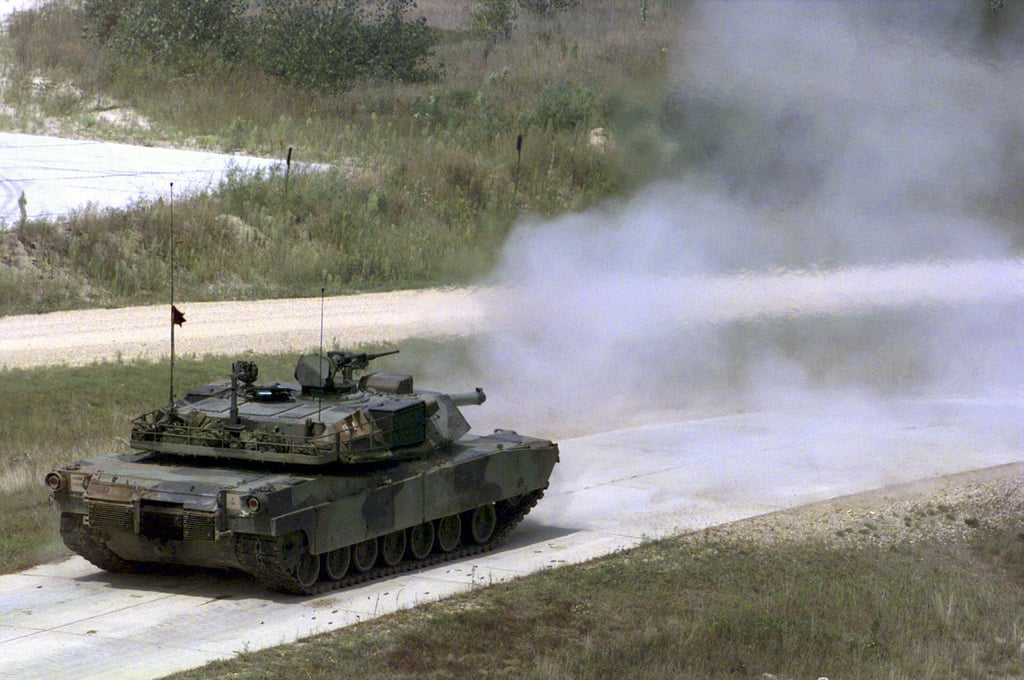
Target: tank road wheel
pixel 449 530
pixel 335 563
pixel 307 571
pixel 301 565
pixel 421 540
pixel 480 524
pixel 364 555
pixel 392 548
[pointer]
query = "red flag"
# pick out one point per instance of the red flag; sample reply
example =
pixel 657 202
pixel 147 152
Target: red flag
pixel 177 318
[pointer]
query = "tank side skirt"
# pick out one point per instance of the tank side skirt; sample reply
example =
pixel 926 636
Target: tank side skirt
pixel 265 565
pixel 427 496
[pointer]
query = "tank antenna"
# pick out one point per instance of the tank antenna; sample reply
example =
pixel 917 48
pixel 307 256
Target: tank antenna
pixel 173 310
pixel 320 360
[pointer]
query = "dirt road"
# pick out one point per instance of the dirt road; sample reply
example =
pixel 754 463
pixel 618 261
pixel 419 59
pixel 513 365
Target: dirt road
pixel 81 337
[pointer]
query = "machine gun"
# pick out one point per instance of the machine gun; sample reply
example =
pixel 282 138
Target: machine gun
pixel 347 362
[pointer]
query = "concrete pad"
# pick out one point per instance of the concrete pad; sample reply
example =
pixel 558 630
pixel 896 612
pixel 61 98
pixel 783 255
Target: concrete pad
pixel 59 175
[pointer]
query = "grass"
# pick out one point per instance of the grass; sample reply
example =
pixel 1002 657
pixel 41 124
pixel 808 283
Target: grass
pixel 425 187
pixel 700 606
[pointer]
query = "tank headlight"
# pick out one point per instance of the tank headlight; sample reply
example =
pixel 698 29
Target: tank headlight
pixel 54 481
pixel 254 504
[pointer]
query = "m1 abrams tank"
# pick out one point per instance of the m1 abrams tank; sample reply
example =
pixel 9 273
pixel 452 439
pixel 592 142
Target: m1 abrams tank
pixel 309 486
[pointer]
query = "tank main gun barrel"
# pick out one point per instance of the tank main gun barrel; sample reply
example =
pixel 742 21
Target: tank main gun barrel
pixel 474 398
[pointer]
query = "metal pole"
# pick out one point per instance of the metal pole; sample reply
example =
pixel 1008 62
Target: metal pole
pixel 519 157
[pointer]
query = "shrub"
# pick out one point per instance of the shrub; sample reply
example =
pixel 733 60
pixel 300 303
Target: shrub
pixel 325 45
pixel 172 32
pixel 493 20
pixel 561 107
pixel 547 8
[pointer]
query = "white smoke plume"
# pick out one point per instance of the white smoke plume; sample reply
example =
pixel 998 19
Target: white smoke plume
pixel 845 224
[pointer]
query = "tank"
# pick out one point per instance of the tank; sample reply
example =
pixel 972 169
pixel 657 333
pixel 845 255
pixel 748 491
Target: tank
pixel 308 485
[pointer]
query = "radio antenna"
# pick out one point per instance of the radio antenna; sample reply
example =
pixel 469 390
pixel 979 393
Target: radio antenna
pixel 320 360
pixel 173 310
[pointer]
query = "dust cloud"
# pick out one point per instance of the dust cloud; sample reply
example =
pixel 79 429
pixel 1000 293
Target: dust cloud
pixel 844 185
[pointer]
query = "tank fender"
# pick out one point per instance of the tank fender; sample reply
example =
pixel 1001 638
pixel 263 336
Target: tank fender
pixel 349 520
pixel 304 519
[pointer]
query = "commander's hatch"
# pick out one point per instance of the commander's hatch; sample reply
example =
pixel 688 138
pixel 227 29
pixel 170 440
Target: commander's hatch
pixel 315 373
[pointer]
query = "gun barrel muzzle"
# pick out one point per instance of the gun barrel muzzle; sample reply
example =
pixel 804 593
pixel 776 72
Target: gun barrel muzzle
pixel 474 398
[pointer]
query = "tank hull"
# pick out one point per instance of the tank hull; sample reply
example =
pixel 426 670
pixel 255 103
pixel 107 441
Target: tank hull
pixel 298 531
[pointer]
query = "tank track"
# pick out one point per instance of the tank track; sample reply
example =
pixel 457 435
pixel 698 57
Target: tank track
pixel 270 571
pixel 79 539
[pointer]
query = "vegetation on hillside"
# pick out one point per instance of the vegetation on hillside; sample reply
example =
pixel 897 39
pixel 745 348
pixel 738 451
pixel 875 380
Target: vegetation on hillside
pixel 425 177
pixel 308 43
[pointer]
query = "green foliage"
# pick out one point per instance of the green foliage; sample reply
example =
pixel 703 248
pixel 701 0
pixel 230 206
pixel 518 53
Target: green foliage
pixel 547 8
pixel 424 181
pixel 310 43
pixel 399 49
pixel 563 107
pixel 314 44
pixel 172 32
pixel 493 20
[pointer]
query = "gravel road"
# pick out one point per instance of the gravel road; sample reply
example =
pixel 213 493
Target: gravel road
pixel 81 337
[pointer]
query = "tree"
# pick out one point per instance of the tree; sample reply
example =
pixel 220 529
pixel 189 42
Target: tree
pixel 547 8
pixel 493 20
pixel 180 32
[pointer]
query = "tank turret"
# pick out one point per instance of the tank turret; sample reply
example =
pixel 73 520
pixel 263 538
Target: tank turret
pixel 325 417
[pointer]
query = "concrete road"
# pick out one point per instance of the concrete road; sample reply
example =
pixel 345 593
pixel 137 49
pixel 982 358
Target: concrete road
pixel 56 176
pixel 610 491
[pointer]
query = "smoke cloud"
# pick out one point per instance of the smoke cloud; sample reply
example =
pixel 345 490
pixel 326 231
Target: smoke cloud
pixel 841 219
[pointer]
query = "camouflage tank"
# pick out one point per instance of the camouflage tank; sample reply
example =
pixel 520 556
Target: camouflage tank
pixel 309 486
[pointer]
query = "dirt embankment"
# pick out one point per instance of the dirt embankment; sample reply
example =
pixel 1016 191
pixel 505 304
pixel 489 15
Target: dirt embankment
pixel 950 509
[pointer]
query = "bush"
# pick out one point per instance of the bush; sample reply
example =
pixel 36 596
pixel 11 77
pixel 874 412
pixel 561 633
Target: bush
pixel 172 32
pixel 493 20
pixel 561 107
pixel 399 49
pixel 310 43
pixel 324 45
pixel 547 8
